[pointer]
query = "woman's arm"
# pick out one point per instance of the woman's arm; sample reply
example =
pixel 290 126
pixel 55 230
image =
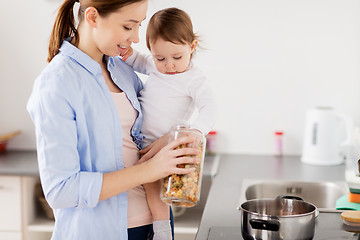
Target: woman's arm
pixel 65 183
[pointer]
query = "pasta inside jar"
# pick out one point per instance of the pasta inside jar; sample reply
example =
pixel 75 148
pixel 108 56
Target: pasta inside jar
pixel 184 189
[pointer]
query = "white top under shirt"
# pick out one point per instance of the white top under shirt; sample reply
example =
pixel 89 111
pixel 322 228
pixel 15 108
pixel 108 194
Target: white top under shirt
pixel 168 100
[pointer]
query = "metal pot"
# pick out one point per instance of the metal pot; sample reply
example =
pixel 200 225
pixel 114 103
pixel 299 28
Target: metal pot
pixel 279 218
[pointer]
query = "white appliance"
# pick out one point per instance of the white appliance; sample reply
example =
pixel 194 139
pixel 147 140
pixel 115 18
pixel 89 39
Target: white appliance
pixel 326 134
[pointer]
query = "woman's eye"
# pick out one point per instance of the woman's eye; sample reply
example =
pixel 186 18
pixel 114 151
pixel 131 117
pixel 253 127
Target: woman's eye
pixel 177 58
pixel 127 28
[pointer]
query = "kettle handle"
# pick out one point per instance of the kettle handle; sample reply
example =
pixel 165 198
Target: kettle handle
pixel 349 128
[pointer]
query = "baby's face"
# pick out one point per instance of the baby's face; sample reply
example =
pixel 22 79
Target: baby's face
pixel 171 58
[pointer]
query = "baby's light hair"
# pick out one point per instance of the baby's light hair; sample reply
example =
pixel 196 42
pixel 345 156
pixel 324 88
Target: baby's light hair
pixel 170 24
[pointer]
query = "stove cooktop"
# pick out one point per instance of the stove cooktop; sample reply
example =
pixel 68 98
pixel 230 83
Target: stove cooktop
pixel 328 226
pixel 234 233
pixel 224 233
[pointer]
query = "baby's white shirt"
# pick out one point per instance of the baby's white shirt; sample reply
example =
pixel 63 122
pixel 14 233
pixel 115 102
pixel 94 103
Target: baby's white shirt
pixel 168 100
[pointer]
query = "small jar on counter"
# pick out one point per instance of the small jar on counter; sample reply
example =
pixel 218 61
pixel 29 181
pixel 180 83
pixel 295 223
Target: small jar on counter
pixel 184 190
pixel 279 143
pixel 211 142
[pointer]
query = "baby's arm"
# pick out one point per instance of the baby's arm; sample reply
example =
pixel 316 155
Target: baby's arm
pixel 159 209
pixel 140 62
pixel 204 99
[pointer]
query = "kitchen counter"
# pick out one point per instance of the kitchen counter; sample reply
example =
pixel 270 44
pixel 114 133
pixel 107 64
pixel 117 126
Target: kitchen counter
pixel 19 163
pixel 221 212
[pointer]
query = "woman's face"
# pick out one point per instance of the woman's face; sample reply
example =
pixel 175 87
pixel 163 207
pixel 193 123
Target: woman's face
pixel 118 30
pixel 171 58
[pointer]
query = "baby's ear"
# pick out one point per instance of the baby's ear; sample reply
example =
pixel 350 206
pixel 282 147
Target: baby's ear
pixel 193 45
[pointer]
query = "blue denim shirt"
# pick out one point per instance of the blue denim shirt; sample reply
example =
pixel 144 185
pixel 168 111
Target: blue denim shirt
pixel 79 137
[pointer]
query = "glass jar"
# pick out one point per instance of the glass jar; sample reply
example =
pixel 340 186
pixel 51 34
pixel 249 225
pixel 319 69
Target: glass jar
pixel 184 189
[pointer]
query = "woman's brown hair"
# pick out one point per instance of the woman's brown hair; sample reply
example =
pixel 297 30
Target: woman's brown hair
pixel 64 25
pixel 170 24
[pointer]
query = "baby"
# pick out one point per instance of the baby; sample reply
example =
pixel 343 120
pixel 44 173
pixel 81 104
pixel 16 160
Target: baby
pixel 173 91
pixel 175 88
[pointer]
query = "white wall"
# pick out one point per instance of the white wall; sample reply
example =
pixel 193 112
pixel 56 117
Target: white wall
pixel 268 62
pixel 25 29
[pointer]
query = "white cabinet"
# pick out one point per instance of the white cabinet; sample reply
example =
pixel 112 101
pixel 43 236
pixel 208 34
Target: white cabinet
pixel 20 215
pixel 10 208
pixel 36 225
pixel 10 236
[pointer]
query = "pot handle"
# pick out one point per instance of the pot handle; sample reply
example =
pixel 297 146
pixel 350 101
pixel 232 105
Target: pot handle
pixel 290 197
pixel 299 198
pixel 271 225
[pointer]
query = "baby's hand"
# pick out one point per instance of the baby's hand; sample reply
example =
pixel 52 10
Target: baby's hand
pixel 126 53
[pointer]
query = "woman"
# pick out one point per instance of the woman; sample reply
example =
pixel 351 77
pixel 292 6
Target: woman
pixel 78 127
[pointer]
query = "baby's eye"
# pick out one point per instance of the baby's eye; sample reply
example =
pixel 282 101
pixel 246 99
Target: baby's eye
pixel 177 58
pixel 160 59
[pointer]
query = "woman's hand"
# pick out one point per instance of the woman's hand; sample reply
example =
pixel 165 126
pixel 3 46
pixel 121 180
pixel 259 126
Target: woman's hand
pixel 152 149
pixel 166 161
pixel 163 164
